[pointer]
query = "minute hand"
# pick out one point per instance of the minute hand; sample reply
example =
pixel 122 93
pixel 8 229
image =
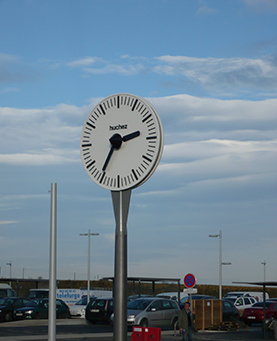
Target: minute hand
pixel 131 136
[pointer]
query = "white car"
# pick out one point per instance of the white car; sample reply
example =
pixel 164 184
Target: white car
pixel 241 302
pixel 79 309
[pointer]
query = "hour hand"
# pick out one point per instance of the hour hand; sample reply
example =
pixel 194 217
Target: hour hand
pixel 131 136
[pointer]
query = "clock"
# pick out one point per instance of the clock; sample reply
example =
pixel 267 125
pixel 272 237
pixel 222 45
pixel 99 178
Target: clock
pixel 122 142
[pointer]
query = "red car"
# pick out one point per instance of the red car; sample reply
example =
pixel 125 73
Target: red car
pixel 255 314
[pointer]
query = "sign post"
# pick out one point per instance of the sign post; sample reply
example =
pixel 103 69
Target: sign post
pixel 189 282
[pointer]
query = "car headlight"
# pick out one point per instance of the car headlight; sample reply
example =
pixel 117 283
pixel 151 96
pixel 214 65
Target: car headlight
pixel 131 316
pixel 0 311
pixel 29 312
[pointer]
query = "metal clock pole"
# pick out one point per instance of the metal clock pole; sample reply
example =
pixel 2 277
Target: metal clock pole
pixel 121 202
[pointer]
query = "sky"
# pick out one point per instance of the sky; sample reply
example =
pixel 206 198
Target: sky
pixel 209 68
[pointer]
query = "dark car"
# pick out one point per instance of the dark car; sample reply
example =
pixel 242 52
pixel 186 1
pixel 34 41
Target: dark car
pixel 100 310
pixel 255 314
pixel 229 311
pixel 38 309
pixel 9 304
pixel 195 297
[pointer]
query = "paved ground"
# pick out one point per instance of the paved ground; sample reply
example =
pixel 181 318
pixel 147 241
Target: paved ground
pixel 166 336
pixel 66 332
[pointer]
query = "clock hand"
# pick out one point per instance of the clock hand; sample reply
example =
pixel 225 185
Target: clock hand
pixel 116 141
pixel 108 158
pixel 131 136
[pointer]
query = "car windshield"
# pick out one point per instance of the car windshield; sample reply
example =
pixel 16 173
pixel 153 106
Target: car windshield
pixel 34 303
pixel 231 299
pixel 5 301
pixel 83 301
pixel 139 304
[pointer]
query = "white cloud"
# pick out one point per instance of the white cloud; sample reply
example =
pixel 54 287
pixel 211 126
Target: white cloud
pixel 223 76
pixel 84 62
pixel 262 5
pixel 221 72
pixel 3 222
pixel 118 69
pixel 49 157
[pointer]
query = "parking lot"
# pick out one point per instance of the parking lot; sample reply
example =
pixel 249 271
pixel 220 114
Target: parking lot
pixel 78 329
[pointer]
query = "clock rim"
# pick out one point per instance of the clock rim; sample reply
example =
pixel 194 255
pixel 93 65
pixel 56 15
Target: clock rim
pixel 160 146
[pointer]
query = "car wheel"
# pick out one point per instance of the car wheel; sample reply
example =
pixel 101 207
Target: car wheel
pixel 144 323
pixel 173 323
pixel 91 321
pixel 8 316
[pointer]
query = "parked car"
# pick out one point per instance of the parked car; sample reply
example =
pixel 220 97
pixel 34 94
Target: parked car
pixel 9 304
pixel 242 302
pixel 99 310
pixel 38 309
pixel 152 312
pixel 171 295
pixel 229 311
pixel 133 297
pixel 255 314
pixel 38 293
pixel 195 297
pixel 79 309
pixel 6 290
pixel 258 295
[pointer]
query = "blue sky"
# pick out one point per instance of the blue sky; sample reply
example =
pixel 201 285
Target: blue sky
pixel 208 67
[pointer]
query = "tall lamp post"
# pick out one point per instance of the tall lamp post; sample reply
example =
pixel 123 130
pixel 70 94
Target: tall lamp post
pixel 88 235
pixel 220 261
pixel 264 264
pixel 10 264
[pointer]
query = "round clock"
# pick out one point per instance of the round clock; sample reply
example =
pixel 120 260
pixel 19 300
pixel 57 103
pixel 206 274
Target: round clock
pixel 121 142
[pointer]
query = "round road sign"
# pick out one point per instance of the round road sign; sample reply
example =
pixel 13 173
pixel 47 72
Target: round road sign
pixel 189 280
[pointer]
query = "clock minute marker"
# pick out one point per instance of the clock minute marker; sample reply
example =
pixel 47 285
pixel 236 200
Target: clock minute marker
pixel 91 125
pixel 90 164
pixel 146 158
pixel 102 109
pixel 102 177
pixel 135 175
pixel 133 107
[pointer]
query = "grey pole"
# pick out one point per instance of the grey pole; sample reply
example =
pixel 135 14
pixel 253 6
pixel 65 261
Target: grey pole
pixel 88 291
pixel 220 261
pixel 121 201
pixel 264 264
pixel 88 285
pixel 220 265
pixel 53 266
pixel 10 264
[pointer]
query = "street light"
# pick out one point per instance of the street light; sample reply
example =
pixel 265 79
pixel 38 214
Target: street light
pixel 220 261
pixel 264 264
pixel 10 264
pixel 89 234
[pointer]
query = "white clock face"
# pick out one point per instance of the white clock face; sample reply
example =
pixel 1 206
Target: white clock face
pixel 121 142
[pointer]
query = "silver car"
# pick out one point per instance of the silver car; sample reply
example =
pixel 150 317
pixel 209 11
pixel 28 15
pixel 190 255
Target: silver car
pixel 152 312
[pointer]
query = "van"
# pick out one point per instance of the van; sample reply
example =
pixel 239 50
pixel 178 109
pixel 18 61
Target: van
pixel 6 290
pixel 258 295
pixel 38 293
